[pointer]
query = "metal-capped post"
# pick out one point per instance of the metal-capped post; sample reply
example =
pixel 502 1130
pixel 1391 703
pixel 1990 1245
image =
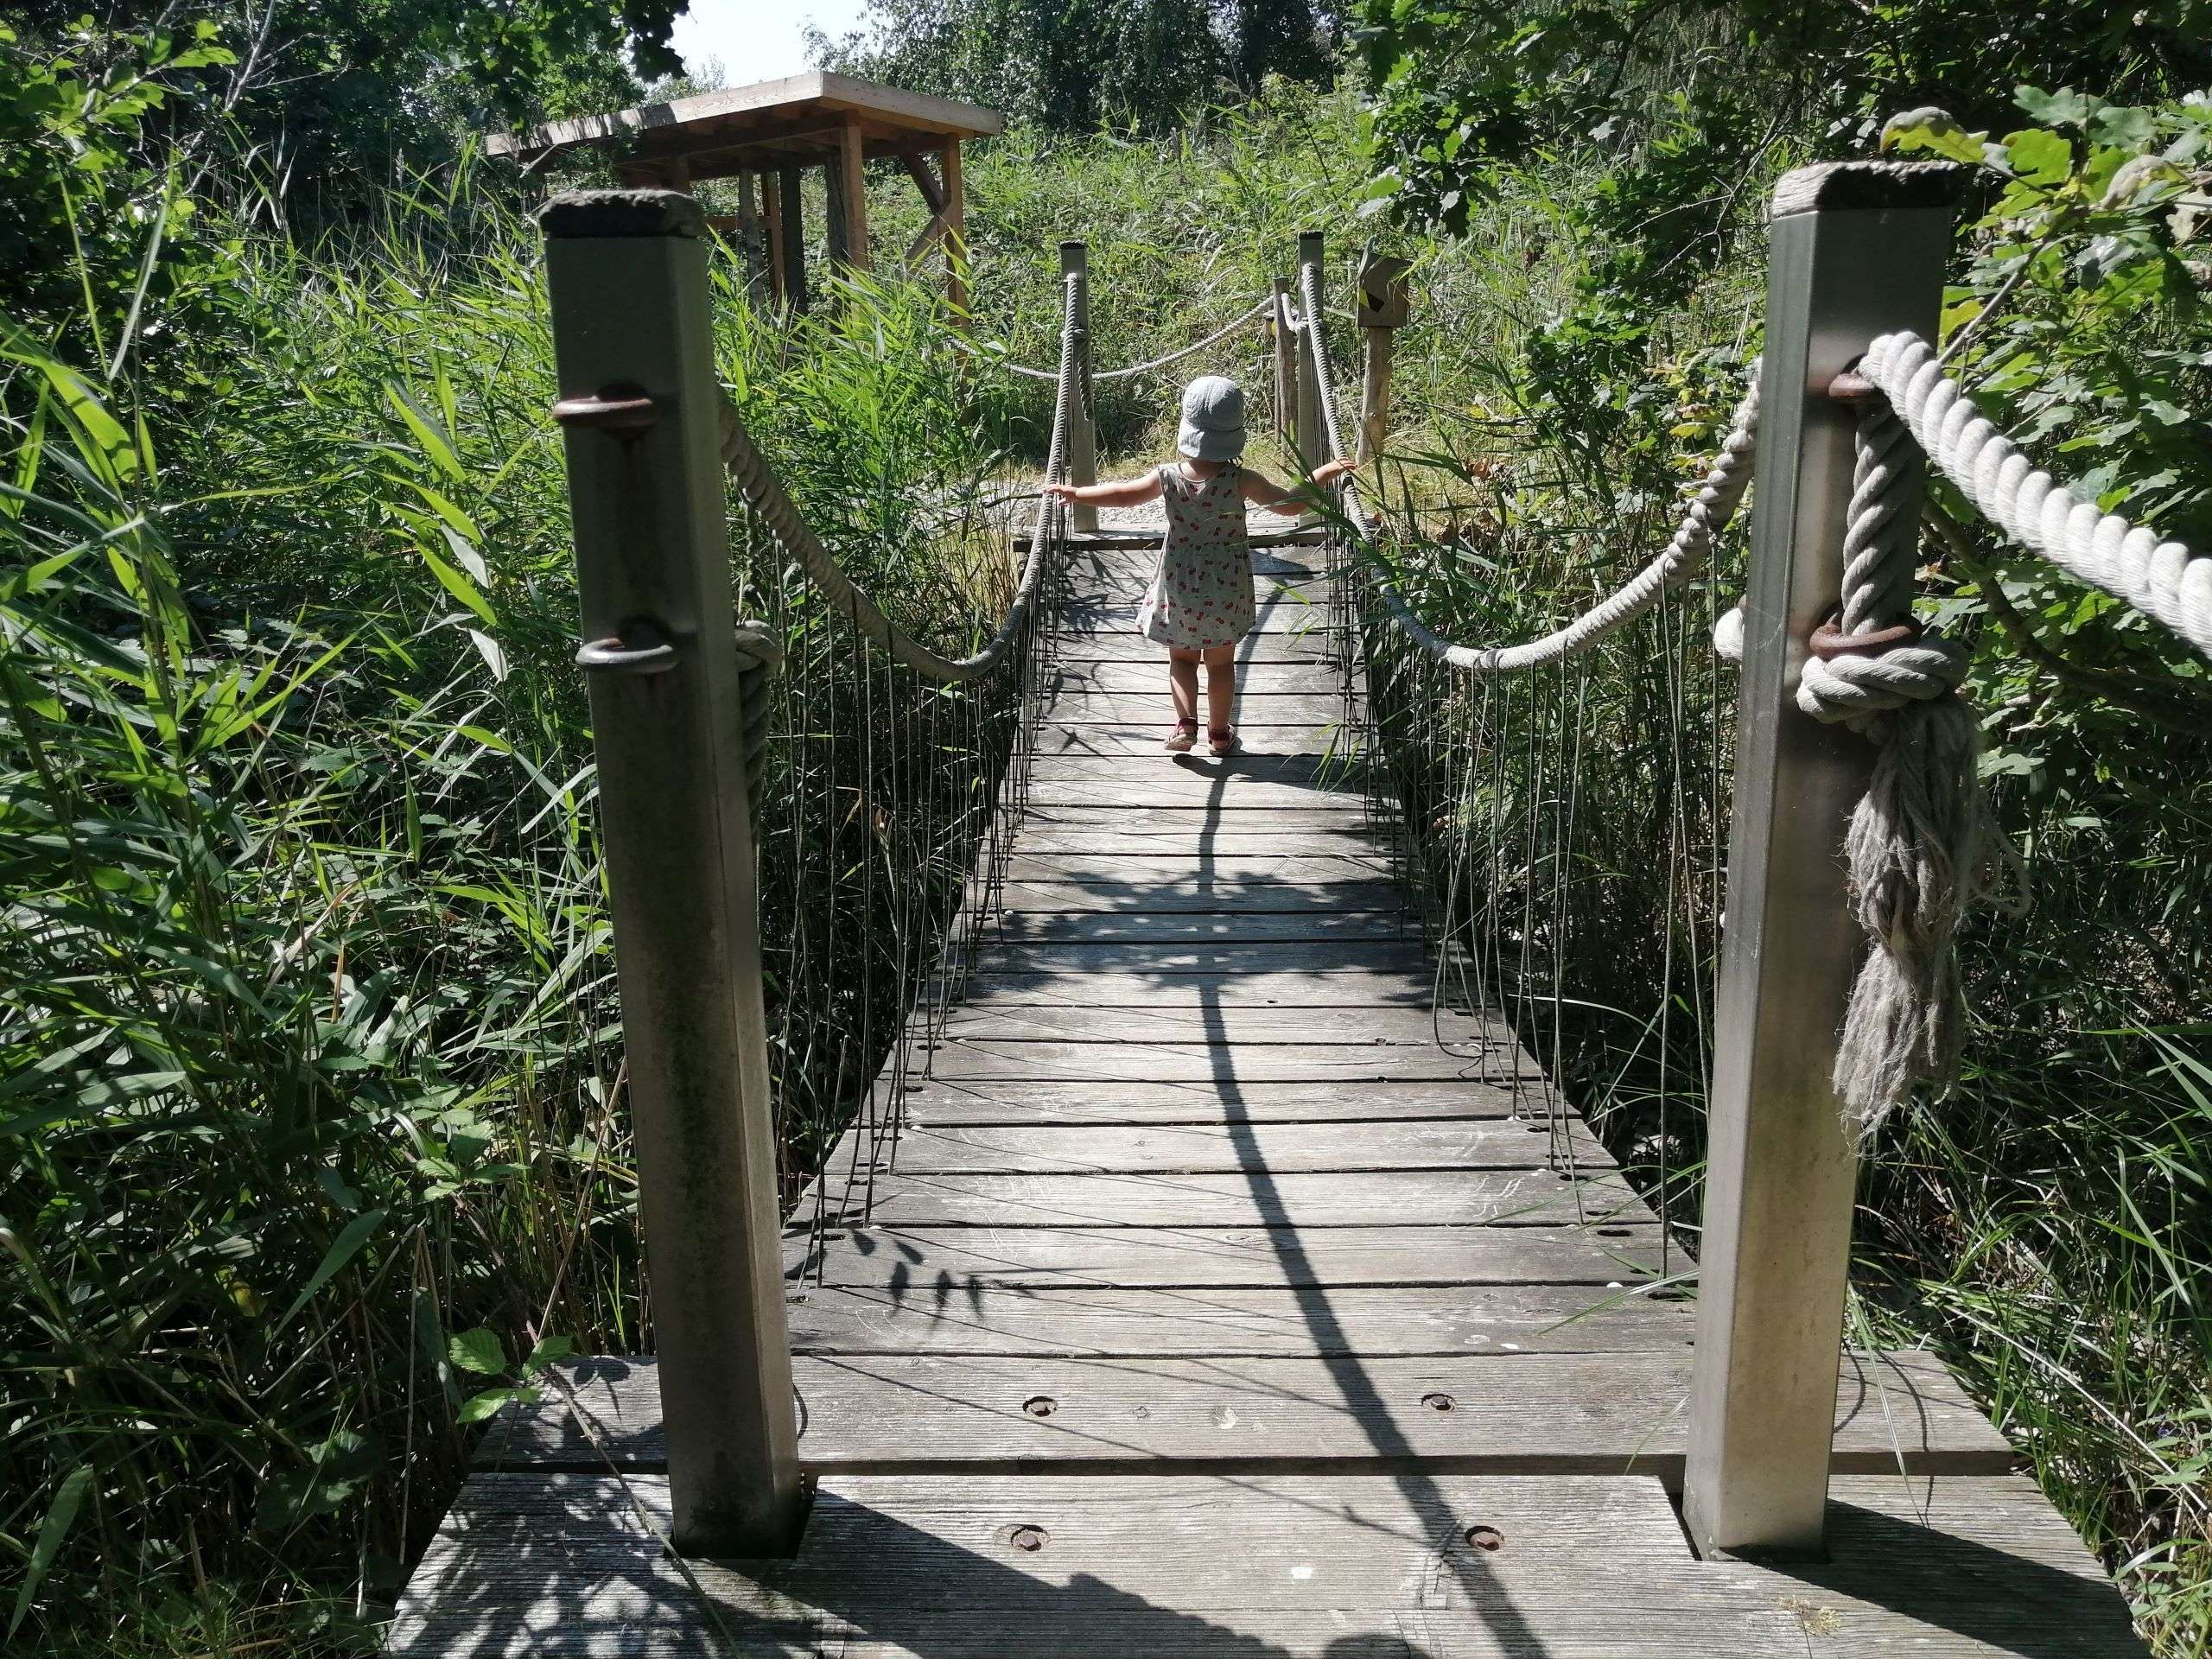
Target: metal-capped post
pixel 1857 250
pixel 1083 430
pixel 1310 436
pixel 627 271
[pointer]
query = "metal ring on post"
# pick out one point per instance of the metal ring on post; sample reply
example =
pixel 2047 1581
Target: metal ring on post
pixel 618 408
pixel 1829 642
pixel 641 648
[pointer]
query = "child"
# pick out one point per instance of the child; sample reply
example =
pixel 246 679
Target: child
pixel 1199 602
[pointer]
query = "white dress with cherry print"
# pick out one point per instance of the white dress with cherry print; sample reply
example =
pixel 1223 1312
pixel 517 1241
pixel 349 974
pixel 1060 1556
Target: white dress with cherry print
pixel 1202 596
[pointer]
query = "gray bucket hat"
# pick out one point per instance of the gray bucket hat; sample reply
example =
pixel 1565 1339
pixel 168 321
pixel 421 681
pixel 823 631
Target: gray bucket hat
pixel 1213 419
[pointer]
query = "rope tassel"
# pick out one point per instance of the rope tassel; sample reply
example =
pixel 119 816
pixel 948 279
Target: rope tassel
pixel 1923 846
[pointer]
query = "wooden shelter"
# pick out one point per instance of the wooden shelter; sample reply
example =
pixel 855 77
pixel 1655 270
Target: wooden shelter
pixel 765 136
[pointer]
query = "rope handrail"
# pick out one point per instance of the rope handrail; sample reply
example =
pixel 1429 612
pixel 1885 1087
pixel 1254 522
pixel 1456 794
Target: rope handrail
pixel 2164 580
pixel 1259 307
pixel 1685 553
pixel 768 498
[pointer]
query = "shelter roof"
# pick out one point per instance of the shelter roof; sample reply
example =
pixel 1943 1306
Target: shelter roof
pixel 796 120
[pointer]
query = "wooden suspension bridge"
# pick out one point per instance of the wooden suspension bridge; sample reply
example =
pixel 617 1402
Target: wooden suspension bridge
pixel 1217 1287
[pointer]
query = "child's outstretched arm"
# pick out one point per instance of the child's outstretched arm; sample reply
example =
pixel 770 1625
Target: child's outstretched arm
pixel 1120 492
pixel 1263 492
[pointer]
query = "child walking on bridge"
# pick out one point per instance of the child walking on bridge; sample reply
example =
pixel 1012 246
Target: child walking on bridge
pixel 1199 602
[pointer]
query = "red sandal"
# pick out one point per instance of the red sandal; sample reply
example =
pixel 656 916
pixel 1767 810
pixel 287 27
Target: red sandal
pixel 1222 740
pixel 1183 739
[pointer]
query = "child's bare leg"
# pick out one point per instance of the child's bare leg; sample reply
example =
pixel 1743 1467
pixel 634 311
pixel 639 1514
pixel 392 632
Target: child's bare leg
pixel 1221 686
pixel 1183 682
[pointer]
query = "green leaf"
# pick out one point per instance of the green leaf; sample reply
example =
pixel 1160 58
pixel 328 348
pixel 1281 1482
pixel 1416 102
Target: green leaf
pixel 478 1406
pixel 337 1469
pixel 2039 157
pixel 435 443
pixel 545 1353
pixel 342 1250
pixel 2059 109
pixel 459 586
pixel 53 1531
pixel 478 1351
pixel 1933 129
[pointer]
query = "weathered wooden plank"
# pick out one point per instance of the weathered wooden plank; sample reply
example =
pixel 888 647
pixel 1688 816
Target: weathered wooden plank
pixel 1020 927
pixel 1396 1321
pixel 1978 1561
pixel 1378 1064
pixel 986 1016
pixel 1135 820
pixel 1249 764
pixel 1243 779
pixel 1386 1197
pixel 1246 988
pixel 955 1258
pixel 1303 739
pixel 1721 1621
pixel 923 1148
pixel 1257 679
pixel 1535 1414
pixel 1074 707
pixel 943 1100
pixel 1334 959
pixel 1200 843
pixel 1182 781
pixel 1179 889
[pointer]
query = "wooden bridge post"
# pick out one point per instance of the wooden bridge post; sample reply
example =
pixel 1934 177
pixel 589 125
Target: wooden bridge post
pixel 1082 426
pixel 1310 436
pixel 1384 308
pixel 639 409
pixel 1857 249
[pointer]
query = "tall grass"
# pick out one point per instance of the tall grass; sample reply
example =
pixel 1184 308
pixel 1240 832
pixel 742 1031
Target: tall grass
pixel 313 1127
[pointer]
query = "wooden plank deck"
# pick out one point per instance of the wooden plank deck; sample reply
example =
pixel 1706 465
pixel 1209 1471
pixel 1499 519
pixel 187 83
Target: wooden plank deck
pixel 1220 1298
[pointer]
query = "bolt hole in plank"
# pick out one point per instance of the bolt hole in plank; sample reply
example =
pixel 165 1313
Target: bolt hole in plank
pixel 1614 1232
pixel 1027 1537
pixel 1439 1401
pixel 1489 1539
pixel 1040 1405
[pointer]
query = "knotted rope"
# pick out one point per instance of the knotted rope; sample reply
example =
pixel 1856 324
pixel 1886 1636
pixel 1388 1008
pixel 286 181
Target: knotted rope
pixel 1923 845
pixel 766 496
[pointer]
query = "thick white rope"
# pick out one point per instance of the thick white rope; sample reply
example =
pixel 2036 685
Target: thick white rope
pixel 1258 309
pixel 1684 556
pixel 767 497
pixel 2164 580
pixel 1923 846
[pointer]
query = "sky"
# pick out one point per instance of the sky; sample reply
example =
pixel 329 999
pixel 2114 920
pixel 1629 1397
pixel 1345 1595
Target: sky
pixel 757 40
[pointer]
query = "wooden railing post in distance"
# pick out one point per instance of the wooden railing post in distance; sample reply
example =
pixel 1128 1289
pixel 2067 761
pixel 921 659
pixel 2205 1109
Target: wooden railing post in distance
pixel 639 405
pixel 1310 436
pixel 1285 359
pixel 1083 428
pixel 1384 308
pixel 1857 249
